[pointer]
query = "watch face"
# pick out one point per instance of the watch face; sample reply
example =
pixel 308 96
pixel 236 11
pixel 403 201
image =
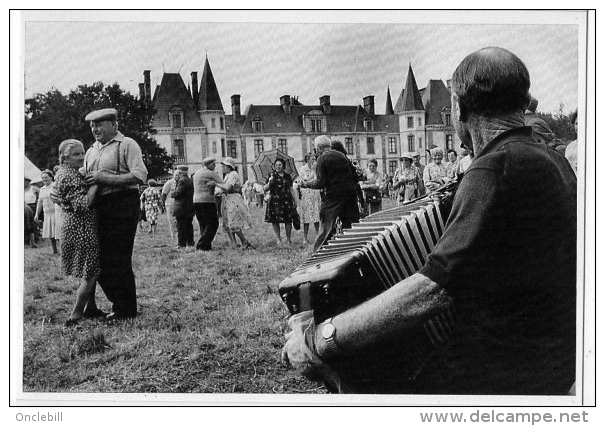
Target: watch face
pixel 328 331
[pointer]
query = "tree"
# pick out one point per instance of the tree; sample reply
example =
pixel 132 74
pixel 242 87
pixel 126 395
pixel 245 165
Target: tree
pixel 560 123
pixel 52 117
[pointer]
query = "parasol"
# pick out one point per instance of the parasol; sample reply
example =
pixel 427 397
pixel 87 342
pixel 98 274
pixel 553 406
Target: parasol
pixel 263 165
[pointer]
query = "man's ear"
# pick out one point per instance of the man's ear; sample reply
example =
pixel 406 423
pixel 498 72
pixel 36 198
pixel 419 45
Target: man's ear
pixel 462 111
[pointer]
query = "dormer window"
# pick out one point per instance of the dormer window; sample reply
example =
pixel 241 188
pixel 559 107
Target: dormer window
pixel 448 119
pixel 175 115
pixel 315 121
pixel 369 125
pixel 257 125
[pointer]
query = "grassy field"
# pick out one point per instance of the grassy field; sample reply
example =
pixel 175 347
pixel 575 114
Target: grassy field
pixel 210 322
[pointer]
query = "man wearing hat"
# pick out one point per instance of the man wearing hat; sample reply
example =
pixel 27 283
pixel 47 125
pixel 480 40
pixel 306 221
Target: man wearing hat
pixel 183 207
pixel 420 167
pixel 407 178
pixel 204 205
pixel 114 162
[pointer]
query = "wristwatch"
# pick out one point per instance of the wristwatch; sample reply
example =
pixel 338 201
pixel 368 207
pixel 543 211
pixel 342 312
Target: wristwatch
pixel 328 333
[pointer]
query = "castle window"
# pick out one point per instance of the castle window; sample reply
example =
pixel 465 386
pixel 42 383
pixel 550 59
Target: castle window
pixel 175 115
pixel 223 147
pixel 257 126
pixel 222 123
pixel 392 167
pixel 369 125
pixel 370 145
pixel 349 145
pixel 213 123
pixel 449 142
pixel 392 145
pixel 232 149
pixel 410 122
pixel 419 122
pixel 178 151
pixel 282 145
pixel 214 147
pixel 448 119
pixel 259 146
pixel 411 146
pixel 316 126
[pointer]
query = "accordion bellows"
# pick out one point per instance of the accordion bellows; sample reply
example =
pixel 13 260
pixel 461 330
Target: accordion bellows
pixel 362 262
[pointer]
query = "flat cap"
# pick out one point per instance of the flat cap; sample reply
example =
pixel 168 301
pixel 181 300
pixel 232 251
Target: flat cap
pixel 183 168
pixel 208 160
pixel 106 114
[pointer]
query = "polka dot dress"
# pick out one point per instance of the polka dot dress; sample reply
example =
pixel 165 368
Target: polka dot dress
pixel 79 241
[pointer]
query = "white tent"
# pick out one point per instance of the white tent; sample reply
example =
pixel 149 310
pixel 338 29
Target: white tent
pixel 30 170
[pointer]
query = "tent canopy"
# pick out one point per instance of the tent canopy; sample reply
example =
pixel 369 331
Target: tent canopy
pixel 30 170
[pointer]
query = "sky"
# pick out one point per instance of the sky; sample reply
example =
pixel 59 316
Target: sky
pixel 262 56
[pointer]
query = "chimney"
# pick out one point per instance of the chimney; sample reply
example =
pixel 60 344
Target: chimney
pixel 324 102
pixel 147 76
pixel 142 92
pixel 194 88
pixel 235 107
pixel 368 104
pixel 285 103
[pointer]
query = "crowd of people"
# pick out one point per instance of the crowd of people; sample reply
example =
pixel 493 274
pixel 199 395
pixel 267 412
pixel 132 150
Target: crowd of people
pixel 512 281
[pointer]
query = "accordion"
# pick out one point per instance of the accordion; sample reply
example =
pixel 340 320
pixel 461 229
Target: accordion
pixel 362 262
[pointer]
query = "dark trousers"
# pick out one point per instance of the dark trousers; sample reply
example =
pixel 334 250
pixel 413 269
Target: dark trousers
pixel 346 208
pixel 184 227
pixel 117 218
pixel 207 217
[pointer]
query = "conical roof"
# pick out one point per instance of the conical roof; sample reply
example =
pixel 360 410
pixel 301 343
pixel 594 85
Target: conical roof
pixel 209 98
pixel 409 99
pixel 388 109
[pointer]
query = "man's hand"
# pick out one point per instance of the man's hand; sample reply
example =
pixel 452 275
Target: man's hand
pixel 297 351
pixel 100 177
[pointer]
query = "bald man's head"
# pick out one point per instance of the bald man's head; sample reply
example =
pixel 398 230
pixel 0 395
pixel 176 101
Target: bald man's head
pixel 491 82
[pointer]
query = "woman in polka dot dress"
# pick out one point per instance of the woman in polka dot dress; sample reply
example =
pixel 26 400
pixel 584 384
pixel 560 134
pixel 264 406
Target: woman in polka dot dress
pixel 79 241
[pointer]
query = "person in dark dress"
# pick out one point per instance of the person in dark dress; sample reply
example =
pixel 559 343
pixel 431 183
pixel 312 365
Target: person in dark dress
pixel 281 206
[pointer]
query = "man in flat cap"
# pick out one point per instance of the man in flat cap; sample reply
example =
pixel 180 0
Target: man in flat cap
pixel 204 205
pixel 114 162
pixel 497 295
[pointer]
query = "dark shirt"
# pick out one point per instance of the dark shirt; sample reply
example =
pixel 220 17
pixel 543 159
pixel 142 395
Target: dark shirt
pixel 508 259
pixel 28 221
pixel 335 175
pixel 183 198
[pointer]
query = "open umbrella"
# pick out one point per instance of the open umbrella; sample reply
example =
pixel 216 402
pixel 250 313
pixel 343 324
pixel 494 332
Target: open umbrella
pixel 263 165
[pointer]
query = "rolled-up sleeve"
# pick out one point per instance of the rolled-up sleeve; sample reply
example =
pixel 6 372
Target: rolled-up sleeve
pixel 134 160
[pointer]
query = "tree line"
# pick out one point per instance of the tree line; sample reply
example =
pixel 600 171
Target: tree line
pixel 53 117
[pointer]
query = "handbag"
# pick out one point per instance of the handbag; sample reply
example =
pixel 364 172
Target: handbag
pixel 296 220
pixel 373 196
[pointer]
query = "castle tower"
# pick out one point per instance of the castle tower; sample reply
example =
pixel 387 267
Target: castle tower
pixel 212 114
pixel 411 113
